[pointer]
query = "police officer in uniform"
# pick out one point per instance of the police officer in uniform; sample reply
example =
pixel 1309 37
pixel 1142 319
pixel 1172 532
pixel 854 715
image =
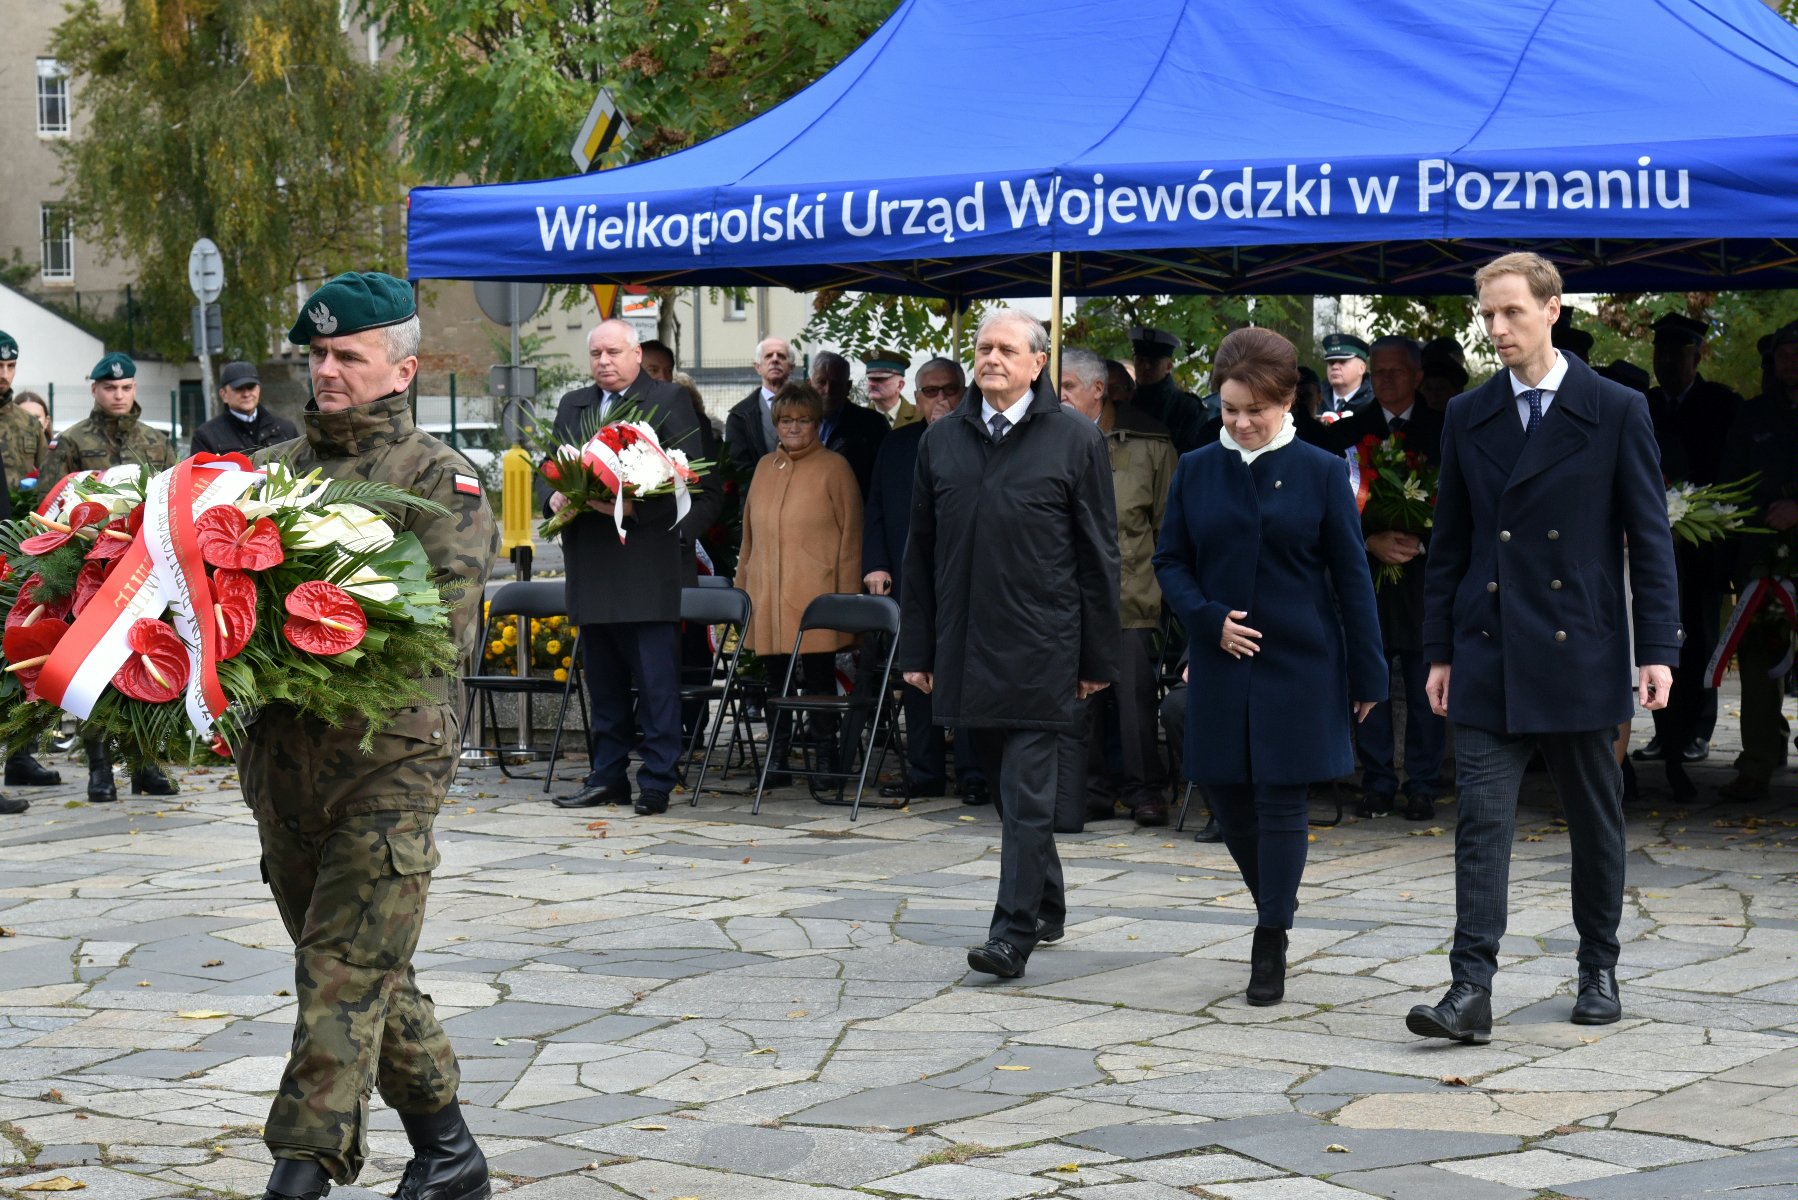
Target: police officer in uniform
pixel 1345 362
pixel 111 436
pixel 22 447
pixel 245 426
pixel 347 842
pixel 1156 394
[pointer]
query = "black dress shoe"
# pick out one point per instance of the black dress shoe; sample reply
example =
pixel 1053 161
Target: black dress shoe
pixel 150 781
pixel 778 779
pixel 976 793
pixel 12 806
pixel 1697 750
pixel 1046 932
pixel 1598 1003
pixel 24 770
pixel 913 791
pixel 651 803
pixel 595 794
pixel 1465 1015
pixel 1649 753
pixel 1373 806
pixel 1150 816
pixel 997 957
pixel 446 1163
pixel 1420 808
pixel 296 1179
pixel 1210 833
pixel 1267 967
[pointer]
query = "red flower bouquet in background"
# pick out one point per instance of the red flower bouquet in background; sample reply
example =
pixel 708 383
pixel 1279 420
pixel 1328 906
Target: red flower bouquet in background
pixel 1395 490
pixel 621 459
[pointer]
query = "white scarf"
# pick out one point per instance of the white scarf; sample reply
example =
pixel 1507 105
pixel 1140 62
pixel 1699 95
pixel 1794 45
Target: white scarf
pixel 1288 431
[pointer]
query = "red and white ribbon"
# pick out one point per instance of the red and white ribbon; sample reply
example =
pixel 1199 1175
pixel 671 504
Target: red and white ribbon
pixel 1760 594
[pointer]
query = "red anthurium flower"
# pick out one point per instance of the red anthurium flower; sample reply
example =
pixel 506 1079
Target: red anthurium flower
pixel 158 667
pixel 87 585
pixel 220 746
pixel 134 520
pixel 551 472
pixel 228 539
pixel 27 649
pixel 28 609
pixel 57 535
pixel 323 618
pixel 113 541
pixel 5 568
pixel 234 610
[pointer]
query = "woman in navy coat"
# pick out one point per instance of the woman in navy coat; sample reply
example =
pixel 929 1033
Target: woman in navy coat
pixel 1262 560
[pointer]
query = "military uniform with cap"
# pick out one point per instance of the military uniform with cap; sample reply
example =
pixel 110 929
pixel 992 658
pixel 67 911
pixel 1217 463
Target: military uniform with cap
pixel 231 431
pixel 892 362
pixel 104 439
pixel 347 836
pixel 1182 412
pixel 23 445
pixel 1339 347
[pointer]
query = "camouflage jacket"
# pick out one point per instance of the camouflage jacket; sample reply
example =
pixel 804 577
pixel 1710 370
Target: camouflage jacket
pixel 104 440
pixel 22 442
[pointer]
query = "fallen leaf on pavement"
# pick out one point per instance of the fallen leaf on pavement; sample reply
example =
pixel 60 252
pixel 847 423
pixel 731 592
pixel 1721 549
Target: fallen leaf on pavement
pixel 1432 831
pixel 651 1128
pixel 964 818
pixel 596 824
pixel 1454 1081
pixel 213 962
pixel 1336 1148
pixel 1012 1067
pixel 798 1012
pixel 763 1050
pixel 499 1041
pixel 1066 1167
pixel 61 1183
pixel 201 1014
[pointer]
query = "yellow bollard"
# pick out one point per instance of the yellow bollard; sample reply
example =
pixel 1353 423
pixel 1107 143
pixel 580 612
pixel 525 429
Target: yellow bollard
pixel 516 510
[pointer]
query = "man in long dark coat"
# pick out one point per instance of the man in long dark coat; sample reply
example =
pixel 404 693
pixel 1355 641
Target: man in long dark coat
pixel 1011 603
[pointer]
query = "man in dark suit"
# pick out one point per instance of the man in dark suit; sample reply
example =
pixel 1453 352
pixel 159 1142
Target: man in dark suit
pixel 1011 603
pixel 851 430
pixel 1395 367
pixel 885 529
pixel 749 427
pixel 1546 469
pixel 1691 417
pixel 625 595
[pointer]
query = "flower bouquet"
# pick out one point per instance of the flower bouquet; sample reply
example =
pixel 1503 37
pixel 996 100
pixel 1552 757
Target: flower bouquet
pixel 622 458
pixel 1704 514
pixel 1395 490
pixel 168 609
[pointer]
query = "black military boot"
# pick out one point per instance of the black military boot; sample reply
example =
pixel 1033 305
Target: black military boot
pixel 446 1164
pixel 24 770
pixel 100 788
pixel 148 780
pixel 297 1179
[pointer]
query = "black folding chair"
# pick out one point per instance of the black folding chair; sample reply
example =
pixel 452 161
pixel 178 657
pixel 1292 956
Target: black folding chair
pixel 840 613
pixel 727 610
pixel 532 601
pixel 714 581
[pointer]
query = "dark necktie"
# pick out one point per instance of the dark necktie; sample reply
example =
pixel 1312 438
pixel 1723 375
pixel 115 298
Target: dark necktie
pixel 1000 427
pixel 1533 397
pixel 1397 424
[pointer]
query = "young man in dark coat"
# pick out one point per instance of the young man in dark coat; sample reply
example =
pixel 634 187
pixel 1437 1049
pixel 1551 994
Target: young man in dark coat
pixel 1546 469
pixel 625 596
pixel 1011 603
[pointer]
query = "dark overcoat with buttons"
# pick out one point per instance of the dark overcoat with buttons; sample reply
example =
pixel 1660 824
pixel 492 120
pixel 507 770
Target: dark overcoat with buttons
pixel 1280 540
pixel 1523 591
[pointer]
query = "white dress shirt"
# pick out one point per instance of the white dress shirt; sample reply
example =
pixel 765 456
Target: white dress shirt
pixel 1551 383
pixel 1014 414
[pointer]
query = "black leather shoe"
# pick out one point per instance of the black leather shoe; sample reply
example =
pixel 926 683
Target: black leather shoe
pixel 1150 816
pixel 1267 967
pixel 1598 1003
pixel 296 1179
pixel 446 1163
pixel 1100 812
pixel 12 806
pixel 1420 808
pixel 593 795
pixel 1465 1015
pixel 1046 932
pixel 914 791
pixel 976 793
pixel 651 803
pixel 1649 753
pixel 1211 833
pixel 24 770
pixel 997 957
pixel 1697 750
pixel 150 781
pixel 1374 806
pixel 100 787
pixel 779 779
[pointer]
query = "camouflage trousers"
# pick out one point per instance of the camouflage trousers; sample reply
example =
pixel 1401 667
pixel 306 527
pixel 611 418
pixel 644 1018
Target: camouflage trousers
pixel 352 896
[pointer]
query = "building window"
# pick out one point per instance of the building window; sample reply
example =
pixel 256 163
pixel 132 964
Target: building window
pixel 52 98
pixel 736 308
pixel 58 232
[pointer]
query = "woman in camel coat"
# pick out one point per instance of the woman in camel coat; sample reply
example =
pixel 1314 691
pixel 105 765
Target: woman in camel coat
pixel 802 538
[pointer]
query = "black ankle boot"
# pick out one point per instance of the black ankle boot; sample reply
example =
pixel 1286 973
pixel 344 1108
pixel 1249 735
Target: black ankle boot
pixel 150 781
pixel 446 1163
pixel 297 1179
pixel 100 788
pixel 1267 967
pixel 24 770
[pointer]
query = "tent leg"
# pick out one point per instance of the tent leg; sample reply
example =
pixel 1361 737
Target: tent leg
pixel 1055 319
pixel 955 311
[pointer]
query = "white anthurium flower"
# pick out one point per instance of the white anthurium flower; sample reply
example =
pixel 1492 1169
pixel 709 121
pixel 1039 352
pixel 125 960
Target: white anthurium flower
pixel 350 526
pixel 372 587
pixel 283 490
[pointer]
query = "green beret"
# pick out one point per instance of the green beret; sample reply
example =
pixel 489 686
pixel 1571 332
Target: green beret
pixel 351 303
pixel 9 348
pixel 1344 345
pixel 888 360
pixel 114 366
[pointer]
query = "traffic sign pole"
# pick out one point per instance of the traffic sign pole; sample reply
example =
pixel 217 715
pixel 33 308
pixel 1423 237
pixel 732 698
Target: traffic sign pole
pixel 206 276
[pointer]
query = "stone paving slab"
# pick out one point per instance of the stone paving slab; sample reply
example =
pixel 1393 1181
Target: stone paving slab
pixel 646 1016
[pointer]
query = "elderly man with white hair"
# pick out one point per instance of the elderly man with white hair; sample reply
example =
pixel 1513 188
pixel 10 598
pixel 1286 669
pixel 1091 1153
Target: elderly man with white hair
pixel 749 426
pixel 1011 604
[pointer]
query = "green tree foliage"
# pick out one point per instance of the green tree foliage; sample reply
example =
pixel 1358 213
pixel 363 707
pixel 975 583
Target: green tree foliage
pixel 246 121
pixel 1623 330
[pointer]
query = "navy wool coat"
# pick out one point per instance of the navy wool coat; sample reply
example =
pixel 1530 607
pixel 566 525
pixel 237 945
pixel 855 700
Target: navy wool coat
pixel 1011 566
pixel 1523 591
pixel 1280 540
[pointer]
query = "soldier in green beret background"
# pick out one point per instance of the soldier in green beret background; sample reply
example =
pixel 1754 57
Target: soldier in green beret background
pixel 111 436
pixel 347 841
pixel 22 447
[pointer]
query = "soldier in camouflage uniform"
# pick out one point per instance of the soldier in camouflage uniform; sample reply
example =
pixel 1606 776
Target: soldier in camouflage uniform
pixel 111 436
pixel 347 842
pixel 22 447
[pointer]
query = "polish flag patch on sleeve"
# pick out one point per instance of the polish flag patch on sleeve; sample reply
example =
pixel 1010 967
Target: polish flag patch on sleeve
pixel 467 485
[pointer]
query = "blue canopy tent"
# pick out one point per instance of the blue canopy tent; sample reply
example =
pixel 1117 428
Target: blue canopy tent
pixel 1010 146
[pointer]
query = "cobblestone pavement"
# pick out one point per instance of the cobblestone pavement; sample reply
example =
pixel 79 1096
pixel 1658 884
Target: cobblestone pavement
pixel 713 1006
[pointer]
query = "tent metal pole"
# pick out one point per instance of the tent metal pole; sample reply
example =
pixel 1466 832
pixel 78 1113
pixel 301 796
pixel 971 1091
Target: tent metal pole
pixel 955 311
pixel 1055 318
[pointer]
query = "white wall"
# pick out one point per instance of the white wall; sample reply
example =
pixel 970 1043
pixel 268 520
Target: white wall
pixel 52 350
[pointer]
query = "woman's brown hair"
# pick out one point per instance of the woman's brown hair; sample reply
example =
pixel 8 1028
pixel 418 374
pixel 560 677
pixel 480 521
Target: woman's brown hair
pixel 797 395
pixel 1262 361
